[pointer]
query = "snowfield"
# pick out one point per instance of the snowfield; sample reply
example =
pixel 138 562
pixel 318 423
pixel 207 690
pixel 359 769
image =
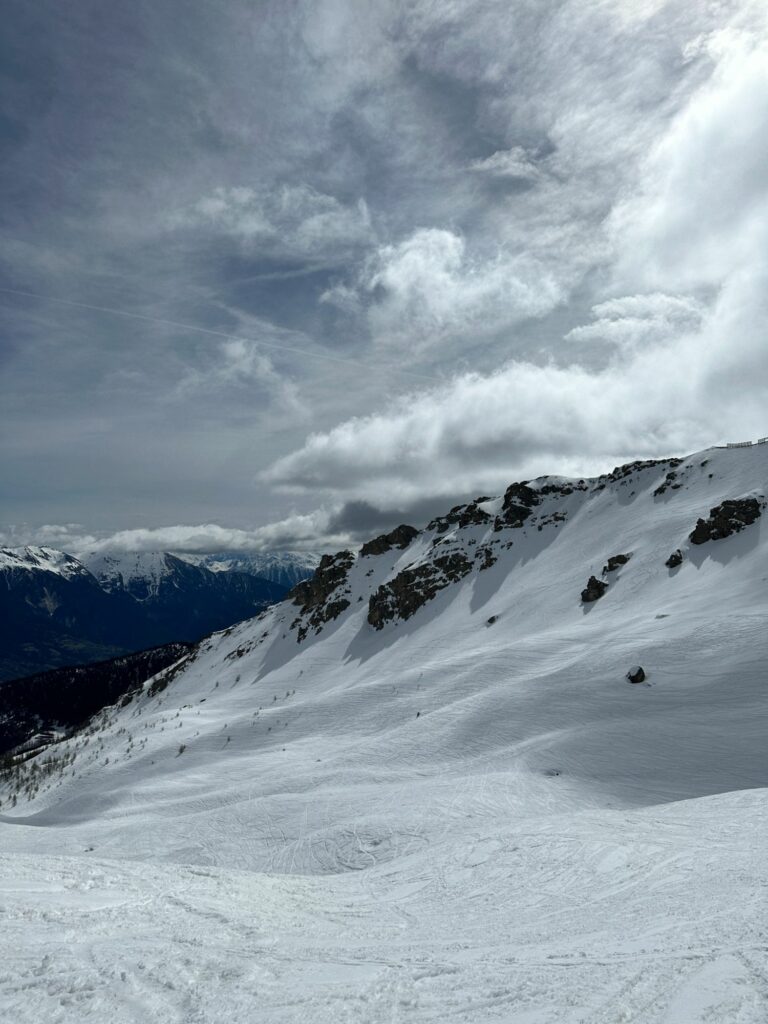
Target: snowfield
pixel 467 815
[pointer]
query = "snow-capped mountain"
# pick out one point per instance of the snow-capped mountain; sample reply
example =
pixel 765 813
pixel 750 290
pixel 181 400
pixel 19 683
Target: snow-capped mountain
pixel 284 567
pixel 63 611
pixel 424 786
pixel 140 573
pixel 41 559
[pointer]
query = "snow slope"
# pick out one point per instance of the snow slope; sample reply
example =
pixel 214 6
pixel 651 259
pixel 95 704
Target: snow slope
pixel 467 814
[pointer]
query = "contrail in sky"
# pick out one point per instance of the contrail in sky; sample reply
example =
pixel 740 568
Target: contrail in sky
pixel 217 334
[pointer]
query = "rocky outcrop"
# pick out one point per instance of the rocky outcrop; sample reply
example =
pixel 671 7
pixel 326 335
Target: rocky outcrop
pixel 400 537
pixel 330 573
pixel 412 588
pixel 519 501
pixel 615 562
pixel 594 590
pixel 461 516
pixel 675 559
pixel 629 468
pixel 321 598
pixel 725 519
pixel 485 557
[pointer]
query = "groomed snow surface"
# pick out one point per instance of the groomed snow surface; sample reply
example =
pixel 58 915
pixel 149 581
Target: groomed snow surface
pixel 442 821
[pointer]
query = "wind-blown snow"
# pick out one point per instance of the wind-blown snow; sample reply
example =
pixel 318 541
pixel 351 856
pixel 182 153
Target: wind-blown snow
pixel 447 819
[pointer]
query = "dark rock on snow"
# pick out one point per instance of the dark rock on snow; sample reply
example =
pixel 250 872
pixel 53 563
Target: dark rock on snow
pixel 400 537
pixel 725 519
pixel 675 559
pixel 461 516
pixel 636 674
pixel 594 590
pixel 615 561
pixel 318 596
pixel 402 596
pixel 519 502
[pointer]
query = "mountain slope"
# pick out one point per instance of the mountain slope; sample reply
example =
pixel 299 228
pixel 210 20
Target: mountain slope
pixel 286 568
pixel 63 611
pixel 449 799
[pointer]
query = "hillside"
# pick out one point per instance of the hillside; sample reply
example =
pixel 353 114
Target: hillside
pixel 61 611
pixel 423 788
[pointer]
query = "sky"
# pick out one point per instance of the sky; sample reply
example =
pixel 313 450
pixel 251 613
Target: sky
pixel 284 274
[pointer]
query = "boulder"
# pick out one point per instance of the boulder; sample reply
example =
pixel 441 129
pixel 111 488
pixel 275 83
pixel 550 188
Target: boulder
pixel 636 674
pixel 615 561
pixel 675 559
pixel 725 519
pixel 594 590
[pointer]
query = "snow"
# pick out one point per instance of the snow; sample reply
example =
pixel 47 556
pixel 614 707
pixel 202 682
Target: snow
pixel 41 559
pixel 278 566
pixel 545 842
pixel 117 570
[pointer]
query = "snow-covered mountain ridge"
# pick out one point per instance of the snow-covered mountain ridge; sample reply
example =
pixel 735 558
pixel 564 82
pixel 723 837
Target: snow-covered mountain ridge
pixel 60 610
pixel 422 787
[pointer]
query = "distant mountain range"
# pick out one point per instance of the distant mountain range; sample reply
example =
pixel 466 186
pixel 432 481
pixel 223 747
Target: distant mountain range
pixel 59 610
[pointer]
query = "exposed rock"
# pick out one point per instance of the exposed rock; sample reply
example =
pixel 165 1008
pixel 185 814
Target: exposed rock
pixel 402 596
pixel 461 516
pixel 636 674
pixel 675 559
pixel 314 595
pixel 639 464
pixel 519 502
pixel 615 561
pixel 486 557
pixel 594 590
pixel 669 481
pixel 725 519
pixel 331 571
pixel 490 622
pixel 400 537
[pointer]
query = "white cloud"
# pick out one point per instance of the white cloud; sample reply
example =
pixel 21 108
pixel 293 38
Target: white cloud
pixel 508 163
pixel 292 220
pixel 480 432
pixel 687 369
pixel 297 531
pixel 700 211
pixel 633 320
pixel 427 289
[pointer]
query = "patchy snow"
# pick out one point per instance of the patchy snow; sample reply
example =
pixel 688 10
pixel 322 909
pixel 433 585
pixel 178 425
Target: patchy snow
pixel 469 815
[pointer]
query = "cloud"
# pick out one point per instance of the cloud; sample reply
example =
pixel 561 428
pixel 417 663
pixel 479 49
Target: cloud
pixel 684 370
pixel 481 431
pixel 298 531
pixel 558 209
pixel 700 209
pixel 242 364
pixel 427 289
pixel 293 221
pixel 508 163
pixel 633 320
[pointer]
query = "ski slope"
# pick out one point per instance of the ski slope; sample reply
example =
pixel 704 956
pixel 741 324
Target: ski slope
pixel 445 819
